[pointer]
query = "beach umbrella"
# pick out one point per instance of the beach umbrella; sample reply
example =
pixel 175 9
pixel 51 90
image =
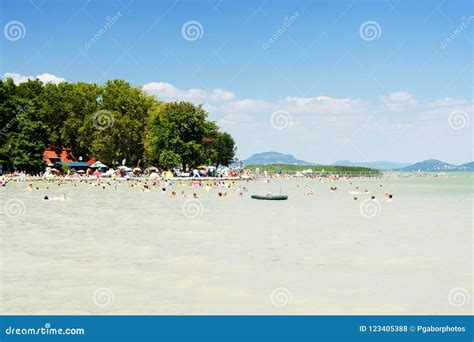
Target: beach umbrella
pixel 137 169
pixel 98 164
pixel 202 167
pixel 80 171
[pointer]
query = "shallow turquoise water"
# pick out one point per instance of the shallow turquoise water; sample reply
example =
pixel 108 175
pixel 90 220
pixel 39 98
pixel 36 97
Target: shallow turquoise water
pixel 126 251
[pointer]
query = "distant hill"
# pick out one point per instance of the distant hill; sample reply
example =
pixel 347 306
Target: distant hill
pixel 466 167
pixel 431 165
pixel 267 158
pixel 379 165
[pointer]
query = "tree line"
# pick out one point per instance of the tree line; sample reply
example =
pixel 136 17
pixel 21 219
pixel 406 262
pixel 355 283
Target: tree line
pixel 112 122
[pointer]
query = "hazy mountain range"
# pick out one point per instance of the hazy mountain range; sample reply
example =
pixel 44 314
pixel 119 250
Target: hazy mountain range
pixel 266 158
pixel 433 165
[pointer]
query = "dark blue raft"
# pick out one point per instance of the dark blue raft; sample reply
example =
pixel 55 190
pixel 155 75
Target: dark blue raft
pixel 270 197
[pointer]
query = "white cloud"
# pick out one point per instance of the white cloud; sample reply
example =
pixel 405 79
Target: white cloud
pixel 447 101
pixel 245 105
pixel 323 105
pixel 236 119
pixel 295 105
pixel 399 101
pixel 222 95
pixel 222 101
pixel 45 78
pixel 168 92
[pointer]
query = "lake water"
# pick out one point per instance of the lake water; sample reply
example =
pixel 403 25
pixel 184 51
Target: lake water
pixel 124 251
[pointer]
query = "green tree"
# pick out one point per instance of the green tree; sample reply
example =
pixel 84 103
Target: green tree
pixel 26 144
pixel 128 110
pixel 28 134
pixel 10 108
pixel 225 149
pixel 179 129
pixel 67 108
pixel 111 122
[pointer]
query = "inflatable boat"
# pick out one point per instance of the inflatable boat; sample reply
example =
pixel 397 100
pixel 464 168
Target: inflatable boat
pixel 270 197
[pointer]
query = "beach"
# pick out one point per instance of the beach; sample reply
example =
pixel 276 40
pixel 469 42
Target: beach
pixel 126 251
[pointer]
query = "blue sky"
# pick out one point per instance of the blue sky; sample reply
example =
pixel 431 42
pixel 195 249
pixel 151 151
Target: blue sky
pixel 359 80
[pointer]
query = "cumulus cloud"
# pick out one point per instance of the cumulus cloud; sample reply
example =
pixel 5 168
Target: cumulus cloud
pixel 399 101
pixel 168 92
pixel 45 78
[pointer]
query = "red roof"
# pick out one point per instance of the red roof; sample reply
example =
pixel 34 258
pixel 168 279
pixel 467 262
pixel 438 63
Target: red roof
pixel 67 156
pixel 50 155
pixel 92 160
